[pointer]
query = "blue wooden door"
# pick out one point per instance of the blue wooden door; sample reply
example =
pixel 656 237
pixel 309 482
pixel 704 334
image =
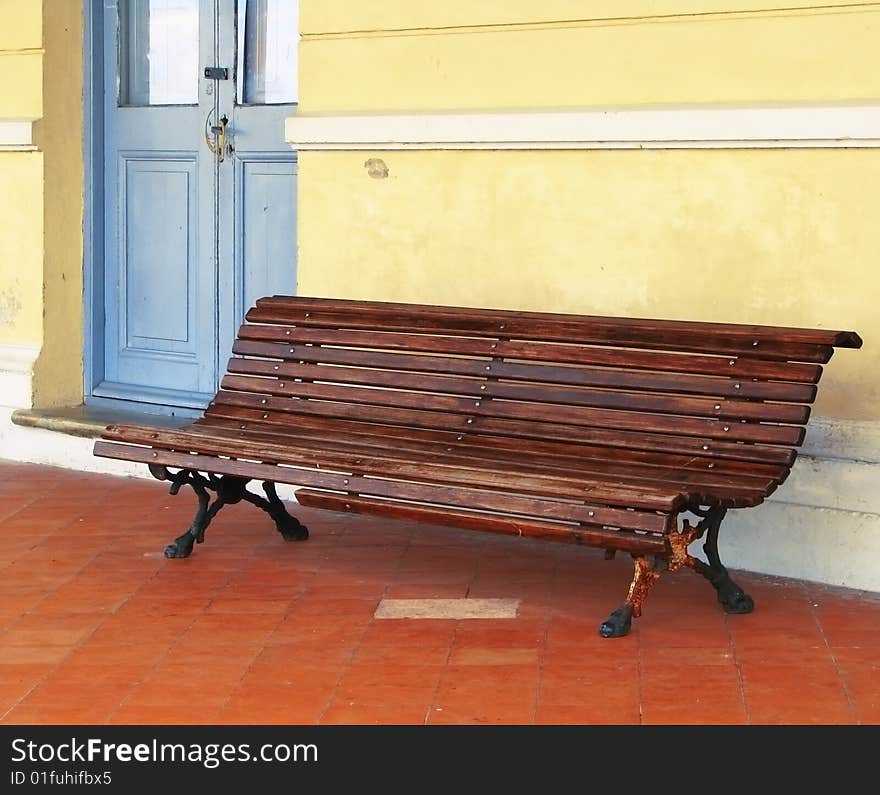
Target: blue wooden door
pixel 199 187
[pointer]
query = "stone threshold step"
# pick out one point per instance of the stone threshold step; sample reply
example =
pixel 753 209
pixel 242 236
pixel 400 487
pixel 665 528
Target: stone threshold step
pixel 90 421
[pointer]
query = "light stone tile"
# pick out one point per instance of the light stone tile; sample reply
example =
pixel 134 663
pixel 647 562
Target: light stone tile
pixel 447 608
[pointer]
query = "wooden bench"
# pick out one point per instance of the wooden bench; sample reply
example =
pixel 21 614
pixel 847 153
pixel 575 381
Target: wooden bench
pixel 624 434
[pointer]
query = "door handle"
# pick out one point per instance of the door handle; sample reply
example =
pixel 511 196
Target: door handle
pixel 217 137
pixel 219 132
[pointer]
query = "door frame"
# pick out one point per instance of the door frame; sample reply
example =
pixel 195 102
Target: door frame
pixel 93 196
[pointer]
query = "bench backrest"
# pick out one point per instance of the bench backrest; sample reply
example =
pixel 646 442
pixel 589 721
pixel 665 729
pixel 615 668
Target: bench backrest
pixel 652 391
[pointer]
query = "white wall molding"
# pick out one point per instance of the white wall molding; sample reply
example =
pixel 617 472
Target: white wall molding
pixel 16 135
pixel 845 440
pixel 16 373
pixel 827 126
pixel 831 483
pixel 834 547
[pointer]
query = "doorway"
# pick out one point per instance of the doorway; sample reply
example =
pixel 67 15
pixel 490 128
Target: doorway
pixel 194 189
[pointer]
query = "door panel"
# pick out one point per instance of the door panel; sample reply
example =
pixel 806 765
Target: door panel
pixel 266 228
pixel 158 254
pixel 258 237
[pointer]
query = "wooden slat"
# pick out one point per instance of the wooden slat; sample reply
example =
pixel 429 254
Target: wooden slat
pixel 616 539
pixel 621 358
pixel 455 497
pixel 368 454
pixel 597 455
pixel 524 459
pixel 568 451
pixel 437 420
pixel 772 342
pixel 795 334
pixel 638 441
pixel 699 446
pixel 727 408
pixel 697 338
pixel 514 371
pixel 705 486
pixel 399 467
pixel 530 412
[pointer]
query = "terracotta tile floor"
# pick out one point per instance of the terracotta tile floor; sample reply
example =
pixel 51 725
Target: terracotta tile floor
pixel 97 627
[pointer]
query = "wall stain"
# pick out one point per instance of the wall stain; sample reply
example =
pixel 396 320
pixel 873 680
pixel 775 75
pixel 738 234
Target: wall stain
pixel 376 168
pixel 10 307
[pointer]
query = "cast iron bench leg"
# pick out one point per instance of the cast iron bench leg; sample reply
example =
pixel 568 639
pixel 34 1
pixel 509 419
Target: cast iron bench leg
pixel 230 490
pixel 731 597
pixel 182 546
pixel 289 526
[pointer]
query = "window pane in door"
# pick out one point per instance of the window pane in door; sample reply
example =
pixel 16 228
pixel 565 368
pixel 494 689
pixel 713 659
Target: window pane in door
pixel 159 52
pixel 268 35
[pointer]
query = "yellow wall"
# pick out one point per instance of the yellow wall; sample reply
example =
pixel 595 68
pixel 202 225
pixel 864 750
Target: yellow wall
pixel 763 236
pixel 21 177
pixel 781 237
pixel 20 59
pixel 58 374
pixel 427 59
pixel 21 247
pixel 333 17
pixel 21 76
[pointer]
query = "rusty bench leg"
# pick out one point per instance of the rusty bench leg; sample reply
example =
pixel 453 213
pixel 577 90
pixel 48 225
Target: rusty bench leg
pixel 230 490
pixel 731 597
pixel 619 622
